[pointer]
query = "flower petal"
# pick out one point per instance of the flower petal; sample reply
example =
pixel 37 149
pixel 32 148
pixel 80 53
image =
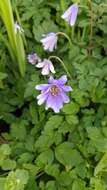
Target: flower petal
pixel 42 87
pixel 45 70
pixel 66 88
pixel 52 68
pixel 51 80
pixel 54 102
pixel 65 98
pixel 73 15
pixel 67 13
pixel 40 65
pixel 42 98
pixel 70 14
pixel 63 79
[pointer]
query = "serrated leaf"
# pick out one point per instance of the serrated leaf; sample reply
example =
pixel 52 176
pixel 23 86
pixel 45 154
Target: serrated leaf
pixel 2 182
pixel 22 175
pixel 71 108
pixel 52 170
pixel 45 158
pixel 18 130
pixel 53 122
pixel 51 185
pixel 64 179
pixel 8 164
pixel 2 75
pixel 102 164
pixel 72 119
pixel 68 156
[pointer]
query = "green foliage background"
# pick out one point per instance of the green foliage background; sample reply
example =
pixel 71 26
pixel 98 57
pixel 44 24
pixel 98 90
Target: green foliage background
pixel 46 151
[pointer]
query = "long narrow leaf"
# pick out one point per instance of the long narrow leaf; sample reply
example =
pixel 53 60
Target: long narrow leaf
pixel 16 47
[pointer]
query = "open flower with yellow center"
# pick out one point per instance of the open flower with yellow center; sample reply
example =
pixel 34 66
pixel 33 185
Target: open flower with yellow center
pixel 53 94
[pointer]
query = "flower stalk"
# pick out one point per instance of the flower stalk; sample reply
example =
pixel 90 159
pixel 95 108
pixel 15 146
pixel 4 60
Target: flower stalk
pixel 62 63
pixel 66 36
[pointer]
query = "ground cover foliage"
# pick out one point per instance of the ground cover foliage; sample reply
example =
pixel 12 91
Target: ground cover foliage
pixel 41 150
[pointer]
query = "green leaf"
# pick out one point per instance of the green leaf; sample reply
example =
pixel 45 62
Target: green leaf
pixel 78 184
pixel 2 182
pixel 2 75
pixel 31 183
pixel 5 149
pixel 97 184
pixel 71 108
pixel 44 28
pixel 22 175
pixel 72 119
pixel 16 180
pixel 8 164
pixel 64 179
pixel 52 170
pixel 25 157
pixel 44 142
pixel 102 165
pixel 94 133
pixel 30 89
pixel 68 156
pixel 18 130
pixel 53 123
pixel 51 185
pixel 45 158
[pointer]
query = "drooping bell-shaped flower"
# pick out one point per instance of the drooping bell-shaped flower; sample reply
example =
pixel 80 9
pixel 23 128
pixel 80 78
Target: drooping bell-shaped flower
pixel 70 14
pixel 46 66
pixel 49 41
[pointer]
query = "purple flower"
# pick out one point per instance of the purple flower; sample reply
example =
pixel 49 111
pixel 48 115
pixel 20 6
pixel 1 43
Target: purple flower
pixel 53 94
pixel 46 66
pixel 49 41
pixel 70 14
pixel 33 58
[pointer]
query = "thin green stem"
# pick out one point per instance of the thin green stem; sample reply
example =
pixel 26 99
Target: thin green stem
pixel 73 32
pixel 83 33
pixel 79 35
pixel 62 63
pixel 66 36
pixel 85 7
pixel 62 2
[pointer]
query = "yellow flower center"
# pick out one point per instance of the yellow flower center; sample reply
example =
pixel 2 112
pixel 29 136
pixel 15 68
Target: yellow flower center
pixel 54 90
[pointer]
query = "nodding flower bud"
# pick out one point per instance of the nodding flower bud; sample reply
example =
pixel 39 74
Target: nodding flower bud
pixel 70 14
